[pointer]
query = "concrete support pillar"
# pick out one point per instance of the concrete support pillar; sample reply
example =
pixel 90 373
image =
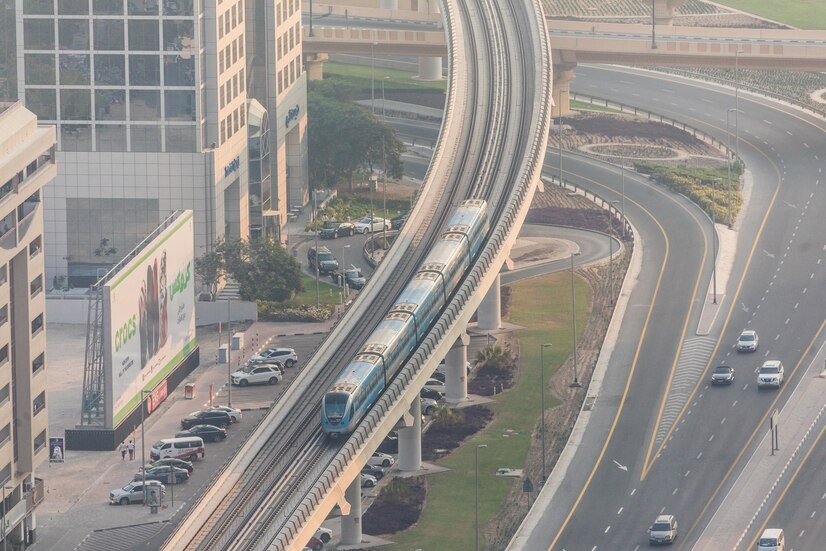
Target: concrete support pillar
pixel 430 68
pixel 456 370
pixel 351 524
pixel 563 76
pixel 389 4
pixel 315 65
pixel 410 440
pixel 489 314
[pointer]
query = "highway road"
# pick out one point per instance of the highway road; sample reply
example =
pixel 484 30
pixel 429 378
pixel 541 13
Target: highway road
pixel 681 459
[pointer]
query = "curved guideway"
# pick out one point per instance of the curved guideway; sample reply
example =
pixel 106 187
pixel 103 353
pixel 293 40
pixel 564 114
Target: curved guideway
pixel 772 289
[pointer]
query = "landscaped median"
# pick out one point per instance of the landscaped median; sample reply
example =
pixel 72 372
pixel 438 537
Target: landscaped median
pixel 542 306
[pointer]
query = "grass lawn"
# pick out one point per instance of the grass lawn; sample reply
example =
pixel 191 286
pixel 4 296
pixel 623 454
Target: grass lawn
pixel 363 77
pixel 329 294
pixel 806 14
pixel 543 307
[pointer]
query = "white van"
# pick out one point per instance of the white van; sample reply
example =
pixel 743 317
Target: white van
pixel 190 447
pixel 771 540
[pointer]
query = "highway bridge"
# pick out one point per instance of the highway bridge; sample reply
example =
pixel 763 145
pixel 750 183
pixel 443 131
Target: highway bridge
pixel 283 482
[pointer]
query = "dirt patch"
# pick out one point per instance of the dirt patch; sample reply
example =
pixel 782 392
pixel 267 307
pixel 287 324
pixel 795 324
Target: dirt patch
pixel 397 507
pixel 443 436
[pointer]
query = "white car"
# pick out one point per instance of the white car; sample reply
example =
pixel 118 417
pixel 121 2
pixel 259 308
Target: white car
pixel 323 534
pixel 770 374
pixel 369 225
pixel 429 406
pixel 287 356
pixel 368 481
pixel 234 413
pixel 380 460
pixel 435 384
pixel 257 374
pixel 747 342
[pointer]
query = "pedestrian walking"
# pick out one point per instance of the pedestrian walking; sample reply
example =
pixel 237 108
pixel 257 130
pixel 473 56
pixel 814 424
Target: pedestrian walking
pixel 123 449
pixel 131 447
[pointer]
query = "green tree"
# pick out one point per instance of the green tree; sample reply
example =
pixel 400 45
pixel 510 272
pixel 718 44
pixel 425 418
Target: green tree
pixel 263 269
pixel 494 355
pixel 209 268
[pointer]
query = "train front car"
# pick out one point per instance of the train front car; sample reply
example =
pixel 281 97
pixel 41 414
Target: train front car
pixel 339 407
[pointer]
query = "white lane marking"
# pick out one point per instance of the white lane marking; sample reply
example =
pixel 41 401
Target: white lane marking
pixel 607 528
pixel 710 438
pixel 620 510
pixel 813 514
pixel 687 473
pixel 767 122
pixel 675 491
pixel 787 321
pixel 661 510
pixel 796 305
pixel 699 455
pixel 734 403
pixel 789 133
pixel 745 386
pixel 634 491
pixel 723 420
pixel 805 289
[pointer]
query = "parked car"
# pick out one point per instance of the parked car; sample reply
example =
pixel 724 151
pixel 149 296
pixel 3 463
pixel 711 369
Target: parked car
pixel 132 492
pixel 314 544
pixel 322 257
pixel 381 459
pixel 369 225
pixel 374 471
pixel 257 374
pixel 397 222
pixel 430 394
pixel 435 384
pixel 210 433
pixel 429 406
pixel 165 473
pixel 323 534
pixel 368 481
pixel 286 356
pixel 747 342
pixel 235 414
pixel 723 375
pixel 206 417
pixel 353 277
pixel 390 444
pixel 332 230
pixel 771 373
pixel 250 364
pixel 664 530
pixel 174 462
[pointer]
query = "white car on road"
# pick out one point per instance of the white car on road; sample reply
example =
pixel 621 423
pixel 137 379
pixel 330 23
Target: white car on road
pixel 770 374
pixel 369 225
pixel 747 341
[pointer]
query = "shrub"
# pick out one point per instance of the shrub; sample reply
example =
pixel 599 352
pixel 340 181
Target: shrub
pixel 274 311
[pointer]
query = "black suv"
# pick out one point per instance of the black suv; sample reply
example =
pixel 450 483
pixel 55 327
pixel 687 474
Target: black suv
pixel 326 261
pixel 216 418
pixel 331 230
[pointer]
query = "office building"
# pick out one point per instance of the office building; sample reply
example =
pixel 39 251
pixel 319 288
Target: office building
pixel 27 165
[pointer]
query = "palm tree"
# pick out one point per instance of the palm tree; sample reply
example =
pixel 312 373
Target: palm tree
pixel 494 355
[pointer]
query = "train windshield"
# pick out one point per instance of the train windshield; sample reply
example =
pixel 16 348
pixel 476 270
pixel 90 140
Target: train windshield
pixel 335 404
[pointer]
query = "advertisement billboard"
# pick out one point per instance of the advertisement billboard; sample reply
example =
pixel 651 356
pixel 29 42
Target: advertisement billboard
pixel 149 316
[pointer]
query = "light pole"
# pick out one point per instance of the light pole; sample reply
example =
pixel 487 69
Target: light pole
pixel 476 492
pixel 143 449
pixel 737 100
pixel 622 172
pixel 311 18
pixel 714 238
pixel 611 251
pixel 372 78
pixel 5 522
pixel 728 160
pixel 576 383
pixel 315 227
pixel 653 28
pixel 374 183
pixel 542 403
pixel 343 281
pixel 383 115
pixel 229 353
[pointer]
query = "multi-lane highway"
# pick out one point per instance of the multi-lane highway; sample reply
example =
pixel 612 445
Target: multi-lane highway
pixel 682 460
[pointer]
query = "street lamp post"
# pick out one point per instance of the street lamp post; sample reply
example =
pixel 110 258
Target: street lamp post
pixel 611 251
pixel 560 135
pixel 311 18
pixel 542 402
pixel 576 383
pixel 728 160
pixel 653 28
pixel 343 281
pixel 315 227
pixel 383 113
pixel 372 78
pixel 229 353
pixel 714 239
pixel 143 444
pixel 476 493
pixel 622 172
pixel 737 100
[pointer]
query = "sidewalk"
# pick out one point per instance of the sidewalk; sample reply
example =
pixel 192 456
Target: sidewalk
pixel 762 478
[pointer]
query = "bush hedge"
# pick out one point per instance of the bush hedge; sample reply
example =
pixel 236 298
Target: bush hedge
pixel 274 311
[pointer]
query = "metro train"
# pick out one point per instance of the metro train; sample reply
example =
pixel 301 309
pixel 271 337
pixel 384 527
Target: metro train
pixel 408 321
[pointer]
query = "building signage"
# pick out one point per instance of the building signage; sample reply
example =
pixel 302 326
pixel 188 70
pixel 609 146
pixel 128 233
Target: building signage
pixel 155 398
pixel 234 165
pixel 292 114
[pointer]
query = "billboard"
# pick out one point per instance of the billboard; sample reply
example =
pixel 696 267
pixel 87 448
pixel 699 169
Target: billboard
pixel 149 317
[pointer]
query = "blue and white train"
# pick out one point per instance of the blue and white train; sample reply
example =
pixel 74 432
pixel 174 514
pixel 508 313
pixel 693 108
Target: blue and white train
pixel 417 307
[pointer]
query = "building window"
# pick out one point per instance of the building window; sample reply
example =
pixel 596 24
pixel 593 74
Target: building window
pixel 5 434
pixel 4 354
pixel 234 51
pixel 4 314
pixel 241 80
pixel 223 131
pixel 37 324
pixel 226 23
pixel 220 64
pixel 36 246
pixel 241 11
pixel 234 85
pixel 222 97
pixel 241 46
pixel 234 16
pixel 38 363
pixel 280 82
pixel 221 26
pixel 227 54
pixel 243 116
pixel 3 274
pixel 40 442
pixel 278 13
pixel 4 394
pixel 36 285
pixel 39 403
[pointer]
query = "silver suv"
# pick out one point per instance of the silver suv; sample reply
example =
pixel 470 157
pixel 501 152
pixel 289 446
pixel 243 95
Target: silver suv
pixel 132 492
pixel 771 373
pixel 286 356
pixel 664 530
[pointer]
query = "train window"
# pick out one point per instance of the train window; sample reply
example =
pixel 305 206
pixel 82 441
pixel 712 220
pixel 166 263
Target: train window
pixel 336 403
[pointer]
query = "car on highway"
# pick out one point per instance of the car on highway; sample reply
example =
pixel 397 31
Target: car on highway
pixel 323 534
pixel 664 530
pixel 209 433
pixel 772 539
pixel 164 473
pixel 429 406
pixel 435 384
pixel 369 225
pixel 368 481
pixel 430 394
pixel 722 375
pixel 173 462
pixel 206 417
pixel 323 258
pixel 132 492
pixel 374 471
pixel 286 356
pixel 381 459
pixel 257 375
pixel 234 413
pixel 771 373
pixel 747 341
pixel 332 230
